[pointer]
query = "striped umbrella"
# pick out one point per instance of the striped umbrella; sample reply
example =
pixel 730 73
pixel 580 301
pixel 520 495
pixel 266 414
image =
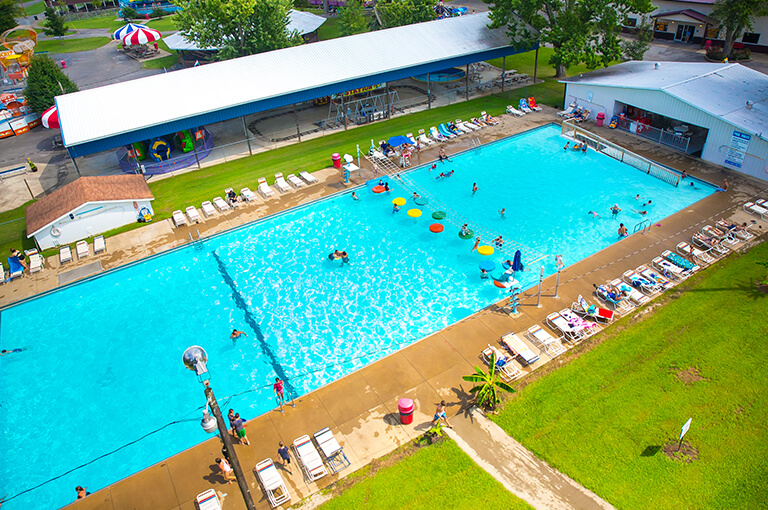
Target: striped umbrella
pixel 50 118
pixel 125 30
pixel 141 36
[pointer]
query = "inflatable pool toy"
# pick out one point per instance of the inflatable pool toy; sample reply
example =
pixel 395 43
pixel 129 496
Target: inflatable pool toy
pixel 414 213
pixel 506 285
pixel 378 189
pixel 159 150
pixel 505 265
pixel 439 215
pixel 485 250
pixel 183 141
pixel 139 150
pixel 614 122
pixel 436 228
pixel 469 235
pixel 399 201
pixel 421 201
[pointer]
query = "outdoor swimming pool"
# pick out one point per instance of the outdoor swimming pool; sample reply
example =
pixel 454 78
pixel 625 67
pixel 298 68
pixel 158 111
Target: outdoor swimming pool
pixel 104 361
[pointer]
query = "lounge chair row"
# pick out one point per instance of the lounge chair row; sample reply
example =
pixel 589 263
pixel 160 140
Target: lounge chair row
pixel 525 106
pixel 82 249
pixel 232 201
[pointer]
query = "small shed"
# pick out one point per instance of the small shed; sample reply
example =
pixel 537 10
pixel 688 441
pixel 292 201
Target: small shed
pixel 87 207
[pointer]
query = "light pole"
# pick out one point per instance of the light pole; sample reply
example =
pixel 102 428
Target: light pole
pixel 195 359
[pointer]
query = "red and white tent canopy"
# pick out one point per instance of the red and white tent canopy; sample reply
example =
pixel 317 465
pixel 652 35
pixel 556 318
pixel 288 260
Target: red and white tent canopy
pixel 50 118
pixel 141 36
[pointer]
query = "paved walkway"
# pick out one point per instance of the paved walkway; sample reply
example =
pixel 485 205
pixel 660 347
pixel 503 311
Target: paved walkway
pixel 519 471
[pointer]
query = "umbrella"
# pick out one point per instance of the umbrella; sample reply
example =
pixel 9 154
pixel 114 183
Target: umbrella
pixel 125 30
pixel 141 36
pixel 50 118
pixel 488 265
pixel 517 262
pixel 399 140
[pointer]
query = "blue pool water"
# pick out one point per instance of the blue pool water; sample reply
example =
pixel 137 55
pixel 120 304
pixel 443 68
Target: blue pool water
pixel 104 361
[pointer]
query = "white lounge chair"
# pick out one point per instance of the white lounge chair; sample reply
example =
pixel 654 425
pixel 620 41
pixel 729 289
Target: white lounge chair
pixel 2 273
pixel 311 179
pixel 208 209
pixel 193 215
pixel 741 233
pixel 517 347
pixel 309 459
pixel 280 183
pixel 640 282
pixel 99 244
pixel 208 500
pixel 272 483
pixel 248 195
pixel 461 127
pixel 680 261
pixel 178 218
pixel 508 371
pixel 725 236
pixel 65 254
pixel 437 135
pixel 621 305
pixel 670 270
pixel 423 138
pixel 651 275
pixel 264 188
pixel 332 450
pixel 35 263
pixel 487 118
pixel 550 344
pixel 568 111
pixel 594 312
pixel 514 111
pixel 687 250
pixel 637 297
pixel 756 209
pixel 411 138
pixel 82 249
pixel 710 244
pixel 295 181
pixel 221 205
pixel 578 322
pixel 570 333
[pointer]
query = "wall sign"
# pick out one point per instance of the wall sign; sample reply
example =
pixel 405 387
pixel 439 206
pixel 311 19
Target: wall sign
pixel 737 149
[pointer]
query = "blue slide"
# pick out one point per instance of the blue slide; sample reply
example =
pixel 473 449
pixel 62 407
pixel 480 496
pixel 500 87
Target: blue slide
pixel 445 131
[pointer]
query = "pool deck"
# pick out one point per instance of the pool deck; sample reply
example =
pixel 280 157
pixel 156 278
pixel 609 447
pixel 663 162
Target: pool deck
pixel 361 408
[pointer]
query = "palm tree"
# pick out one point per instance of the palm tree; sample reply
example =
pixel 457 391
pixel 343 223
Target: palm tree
pixel 486 392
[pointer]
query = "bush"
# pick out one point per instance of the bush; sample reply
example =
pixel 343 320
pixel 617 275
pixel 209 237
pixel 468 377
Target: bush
pixel 157 12
pixel 129 13
pixel 740 54
pixel 715 53
pixel 301 4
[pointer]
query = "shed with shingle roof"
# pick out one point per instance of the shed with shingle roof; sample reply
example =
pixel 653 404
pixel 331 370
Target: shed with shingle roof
pixel 86 207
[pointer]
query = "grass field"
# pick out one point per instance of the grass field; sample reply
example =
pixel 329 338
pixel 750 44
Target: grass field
pixel 602 418
pixel 71 45
pixel 33 9
pixel 13 232
pixel 106 22
pixel 434 477
pixel 329 30
pixel 164 24
pixel 163 62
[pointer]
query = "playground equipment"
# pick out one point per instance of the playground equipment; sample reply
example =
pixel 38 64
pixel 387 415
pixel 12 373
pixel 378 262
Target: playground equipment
pixel 19 46
pixel 159 150
pixel 183 141
pixel 159 156
pixel 15 116
pixel 139 150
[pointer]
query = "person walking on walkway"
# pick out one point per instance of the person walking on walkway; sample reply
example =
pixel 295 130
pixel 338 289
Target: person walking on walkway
pixel 440 415
pixel 226 470
pixel 286 456
pixel 239 424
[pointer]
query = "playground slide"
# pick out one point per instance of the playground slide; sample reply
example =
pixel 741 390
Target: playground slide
pixel 445 131
pixel 139 150
pixel 183 141
pixel 159 150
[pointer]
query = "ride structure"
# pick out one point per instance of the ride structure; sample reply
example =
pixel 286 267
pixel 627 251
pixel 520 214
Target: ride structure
pixel 166 153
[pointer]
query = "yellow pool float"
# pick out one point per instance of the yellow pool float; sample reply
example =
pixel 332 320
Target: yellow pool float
pixel 399 201
pixel 415 213
pixel 485 250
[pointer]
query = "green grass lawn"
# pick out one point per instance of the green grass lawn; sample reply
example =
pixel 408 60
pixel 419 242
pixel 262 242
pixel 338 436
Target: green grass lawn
pixel 106 22
pixel 433 477
pixel 163 62
pixel 602 417
pixel 329 30
pixel 164 24
pixel 13 232
pixel 33 9
pixel 71 45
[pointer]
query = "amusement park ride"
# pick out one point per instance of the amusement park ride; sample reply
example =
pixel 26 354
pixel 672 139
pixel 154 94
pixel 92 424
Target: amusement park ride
pixel 18 46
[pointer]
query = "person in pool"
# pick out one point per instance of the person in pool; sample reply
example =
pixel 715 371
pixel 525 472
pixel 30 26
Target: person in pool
pixel 236 334
pixel 441 176
pixel 395 208
pixel 415 195
pixel 450 173
pixel 13 351
pixel 477 243
pixel 464 229
pixel 568 144
pixel 623 230
pixel 615 210
pixel 584 148
pixel 386 187
pixel 594 214
pixel 337 254
pixel 475 189
pixel 354 196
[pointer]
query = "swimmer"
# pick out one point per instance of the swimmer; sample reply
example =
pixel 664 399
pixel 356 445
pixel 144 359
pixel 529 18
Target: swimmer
pixel 584 148
pixel 236 334
pixel 684 175
pixel 643 213
pixel 415 195
pixel 442 156
pixel 344 258
pixel 12 351
pixel 566 146
pixel 386 187
pixel 623 230
pixel 615 210
pixel 336 255
pixel 354 196
pixel 464 229
pixel 395 208
pixel 637 197
pixel 450 173
pixel 594 214
pixel 477 243
pixel 381 183
pixel 501 213
pixel 500 242
pixel 577 147
pixel 475 189
pixel 647 204
pixel 483 274
pixel 433 167
pixel 441 175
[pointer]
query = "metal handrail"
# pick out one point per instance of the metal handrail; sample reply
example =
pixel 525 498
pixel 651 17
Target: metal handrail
pixel 644 226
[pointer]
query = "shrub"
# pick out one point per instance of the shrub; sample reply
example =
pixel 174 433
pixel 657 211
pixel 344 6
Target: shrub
pixel 740 54
pixel 129 13
pixel 157 12
pixel 301 4
pixel 715 53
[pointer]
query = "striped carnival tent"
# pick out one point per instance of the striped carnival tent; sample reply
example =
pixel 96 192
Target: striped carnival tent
pixel 125 30
pixel 50 118
pixel 141 36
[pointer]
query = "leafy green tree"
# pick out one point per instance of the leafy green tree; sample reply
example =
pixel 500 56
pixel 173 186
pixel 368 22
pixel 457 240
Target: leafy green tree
pixel 44 82
pixel 397 13
pixel 54 23
pixel 579 30
pixel 129 13
pixel 486 391
pixel 352 19
pixel 636 48
pixel 736 17
pixel 97 4
pixel 237 27
pixel 8 12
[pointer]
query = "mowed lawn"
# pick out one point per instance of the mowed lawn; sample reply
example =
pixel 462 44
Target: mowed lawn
pixel 434 477
pixel 57 46
pixel 602 418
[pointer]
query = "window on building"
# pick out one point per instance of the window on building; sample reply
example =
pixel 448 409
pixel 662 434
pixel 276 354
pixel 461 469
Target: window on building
pixel 750 38
pixel 660 26
pixel 631 22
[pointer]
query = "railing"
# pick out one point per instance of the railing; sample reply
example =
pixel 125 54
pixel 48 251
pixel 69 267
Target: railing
pixel 655 134
pixel 619 153
pixel 642 227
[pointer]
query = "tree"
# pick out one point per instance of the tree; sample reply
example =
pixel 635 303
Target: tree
pixel 45 80
pixel 736 17
pixel 579 30
pixel 397 13
pixel 129 13
pixel 97 4
pixel 8 12
pixel 54 23
pixel 237 27
pixel 352 19
pixel 635 49
pixel 486 393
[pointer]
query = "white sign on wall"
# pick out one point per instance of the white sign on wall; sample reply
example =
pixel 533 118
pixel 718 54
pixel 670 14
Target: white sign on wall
pixel 737 149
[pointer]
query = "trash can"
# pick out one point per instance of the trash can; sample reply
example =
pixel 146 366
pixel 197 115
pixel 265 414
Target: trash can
pixel 63 64
pixel 406 407
pixel 336 157
pixel 600 119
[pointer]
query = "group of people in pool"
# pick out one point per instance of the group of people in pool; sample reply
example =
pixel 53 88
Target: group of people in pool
pixel 338 254
pixel 615 210
pixel 577 146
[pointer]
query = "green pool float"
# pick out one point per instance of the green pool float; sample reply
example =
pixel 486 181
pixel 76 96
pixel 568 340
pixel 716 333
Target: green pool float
pixel 468 235
pixel 438 215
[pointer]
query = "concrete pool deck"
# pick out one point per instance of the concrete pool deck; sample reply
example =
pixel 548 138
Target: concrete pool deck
pixel 361 408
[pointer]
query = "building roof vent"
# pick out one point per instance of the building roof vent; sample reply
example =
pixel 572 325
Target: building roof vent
pixel 750 104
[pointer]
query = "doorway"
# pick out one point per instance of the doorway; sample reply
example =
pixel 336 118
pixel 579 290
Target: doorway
pixel 685 33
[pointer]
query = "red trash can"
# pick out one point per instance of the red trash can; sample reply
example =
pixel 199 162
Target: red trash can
pixel 63 64
pixel 336 157
pixel 600 119
pixel 406 408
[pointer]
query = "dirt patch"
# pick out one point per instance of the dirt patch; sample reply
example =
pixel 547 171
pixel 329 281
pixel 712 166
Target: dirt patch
pixel 686 453
pixel 689 376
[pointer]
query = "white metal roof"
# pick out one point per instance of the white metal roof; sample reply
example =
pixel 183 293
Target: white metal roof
pixel 111 110
pixel 721 90
pixel 302 22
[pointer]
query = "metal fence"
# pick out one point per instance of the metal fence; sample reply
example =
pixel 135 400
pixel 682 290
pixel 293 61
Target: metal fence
pixel 73 16
pixel 619 153
pixel 670 139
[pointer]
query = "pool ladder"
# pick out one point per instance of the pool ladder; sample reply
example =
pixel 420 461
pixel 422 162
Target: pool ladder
pixel 197 242
pixel 474 142
pixel 642 227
